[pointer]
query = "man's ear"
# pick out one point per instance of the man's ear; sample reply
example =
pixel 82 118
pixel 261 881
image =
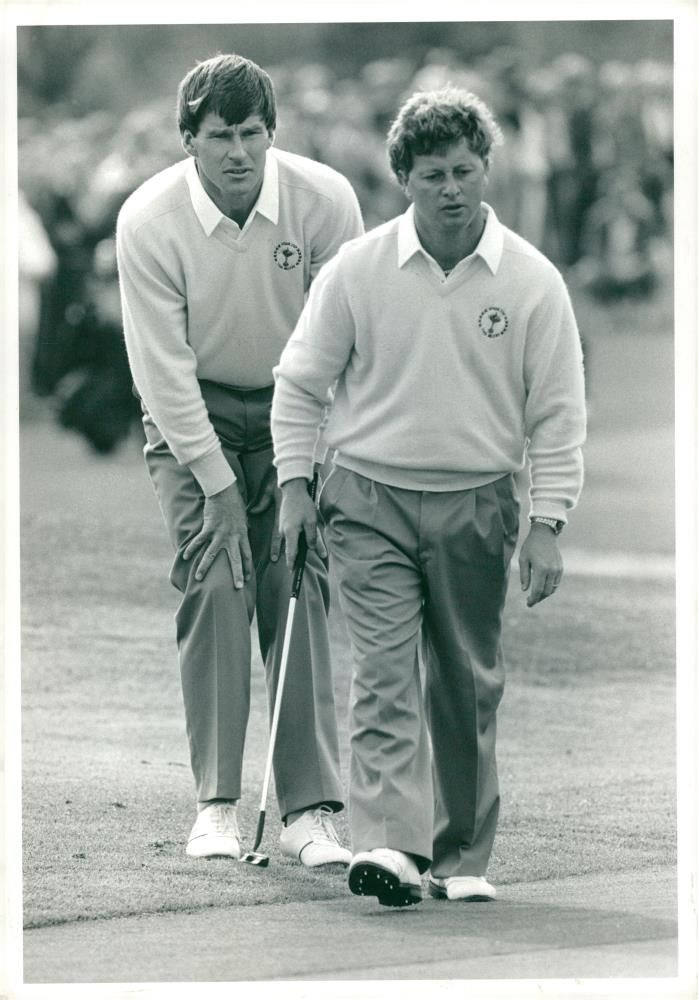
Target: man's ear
pixel 188 142
pixel 272 136
pixel 402 179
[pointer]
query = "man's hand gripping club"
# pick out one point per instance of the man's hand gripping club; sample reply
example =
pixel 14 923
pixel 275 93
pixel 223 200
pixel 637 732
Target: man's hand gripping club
pixel 299 515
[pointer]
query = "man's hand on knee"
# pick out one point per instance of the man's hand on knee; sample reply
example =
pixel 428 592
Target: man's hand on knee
pixel 299 514
pixel 224 526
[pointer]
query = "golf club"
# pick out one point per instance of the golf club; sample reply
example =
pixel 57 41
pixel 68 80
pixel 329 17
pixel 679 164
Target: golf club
pixel 253 857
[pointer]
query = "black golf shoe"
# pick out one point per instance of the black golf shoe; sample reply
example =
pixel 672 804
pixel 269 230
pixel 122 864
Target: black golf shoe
pixel 389 875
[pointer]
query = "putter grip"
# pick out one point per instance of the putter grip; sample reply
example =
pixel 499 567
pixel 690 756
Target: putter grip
pixel 299 564
pixel 260 830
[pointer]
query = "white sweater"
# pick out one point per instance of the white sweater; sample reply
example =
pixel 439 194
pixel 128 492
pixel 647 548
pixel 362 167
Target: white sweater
pixel 442 383
pixel 202 299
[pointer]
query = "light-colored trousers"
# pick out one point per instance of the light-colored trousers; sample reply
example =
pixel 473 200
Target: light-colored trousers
pixel 423 568
pixel 213 623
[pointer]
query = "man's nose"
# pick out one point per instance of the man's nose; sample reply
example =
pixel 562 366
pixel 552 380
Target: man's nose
pixel 451 186
pixel 236 149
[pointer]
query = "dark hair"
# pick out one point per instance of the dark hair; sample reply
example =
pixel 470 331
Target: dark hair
pixel 230 86
pixel 429 122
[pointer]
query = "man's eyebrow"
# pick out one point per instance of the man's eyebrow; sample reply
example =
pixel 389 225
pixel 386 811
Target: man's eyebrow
pixel 224 129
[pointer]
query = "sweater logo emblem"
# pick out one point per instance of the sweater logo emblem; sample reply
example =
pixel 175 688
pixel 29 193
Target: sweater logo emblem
pixel 287 255
pixel 493 321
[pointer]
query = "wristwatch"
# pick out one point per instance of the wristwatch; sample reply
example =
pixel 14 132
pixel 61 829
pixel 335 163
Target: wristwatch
pixel 552 522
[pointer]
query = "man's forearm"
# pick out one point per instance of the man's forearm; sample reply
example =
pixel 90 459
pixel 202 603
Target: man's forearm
pixel 556 482
pixel 296 416
pixel 163 365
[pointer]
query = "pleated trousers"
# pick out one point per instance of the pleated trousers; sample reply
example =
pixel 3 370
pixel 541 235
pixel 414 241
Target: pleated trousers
pixel 213 623
pixel 423 571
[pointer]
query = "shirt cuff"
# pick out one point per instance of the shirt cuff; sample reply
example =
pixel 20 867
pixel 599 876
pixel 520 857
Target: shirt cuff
pixel 212 472
pixel 296 469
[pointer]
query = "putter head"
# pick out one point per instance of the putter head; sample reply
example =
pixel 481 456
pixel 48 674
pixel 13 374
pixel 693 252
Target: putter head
pixel 253 858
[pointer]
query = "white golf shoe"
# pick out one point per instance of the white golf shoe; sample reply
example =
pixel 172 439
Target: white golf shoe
pixel 215 832
pixel 390 875
pixel 470 888
pixel 312 840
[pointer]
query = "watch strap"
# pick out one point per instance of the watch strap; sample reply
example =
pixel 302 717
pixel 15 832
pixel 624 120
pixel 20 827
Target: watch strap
pixel 552 522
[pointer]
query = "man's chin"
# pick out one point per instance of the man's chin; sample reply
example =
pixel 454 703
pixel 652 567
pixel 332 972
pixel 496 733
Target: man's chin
pixel 454 223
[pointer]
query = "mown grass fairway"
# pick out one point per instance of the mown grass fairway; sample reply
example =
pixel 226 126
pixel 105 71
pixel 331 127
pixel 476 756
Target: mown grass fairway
pixel 586 732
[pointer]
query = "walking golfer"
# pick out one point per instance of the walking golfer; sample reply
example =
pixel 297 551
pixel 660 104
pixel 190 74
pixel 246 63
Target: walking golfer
pixel 216 254
pixel 455 354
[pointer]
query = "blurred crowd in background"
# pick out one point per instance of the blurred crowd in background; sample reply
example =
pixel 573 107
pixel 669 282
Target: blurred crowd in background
pixel 585 174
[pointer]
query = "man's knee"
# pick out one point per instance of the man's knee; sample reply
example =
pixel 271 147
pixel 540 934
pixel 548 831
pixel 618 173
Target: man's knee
pixel 217 584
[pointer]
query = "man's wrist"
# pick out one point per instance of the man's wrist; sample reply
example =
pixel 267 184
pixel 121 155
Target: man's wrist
pixel 298 484
pixel 212 472
pixel 552 523
pixel 226 491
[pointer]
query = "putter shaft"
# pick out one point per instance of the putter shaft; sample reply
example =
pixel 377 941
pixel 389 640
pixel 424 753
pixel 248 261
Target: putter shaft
pixel 252 857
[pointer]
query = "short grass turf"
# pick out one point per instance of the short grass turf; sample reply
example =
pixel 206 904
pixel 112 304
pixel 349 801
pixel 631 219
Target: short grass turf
pixel 586 742
pixel 586 731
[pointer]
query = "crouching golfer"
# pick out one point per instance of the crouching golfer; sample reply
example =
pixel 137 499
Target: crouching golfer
pixel 215 256
pixel 455 352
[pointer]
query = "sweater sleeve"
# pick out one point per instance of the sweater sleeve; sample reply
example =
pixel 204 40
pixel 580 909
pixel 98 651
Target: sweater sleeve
pixel 313 359
pixel 162 362
pixel 555 413
pixel 340 222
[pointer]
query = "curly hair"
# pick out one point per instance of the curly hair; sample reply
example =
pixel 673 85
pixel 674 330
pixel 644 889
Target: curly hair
pixel 230 86
pixel 430 121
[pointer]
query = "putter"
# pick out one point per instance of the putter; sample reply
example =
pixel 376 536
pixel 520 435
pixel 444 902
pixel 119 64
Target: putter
pixel 253 857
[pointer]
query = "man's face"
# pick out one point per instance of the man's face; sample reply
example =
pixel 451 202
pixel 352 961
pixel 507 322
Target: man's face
pixel 447 188
pixel 230 158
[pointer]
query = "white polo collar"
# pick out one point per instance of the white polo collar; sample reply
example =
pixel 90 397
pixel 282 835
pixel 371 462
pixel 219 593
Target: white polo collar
pixel 489 248
pixel 210 215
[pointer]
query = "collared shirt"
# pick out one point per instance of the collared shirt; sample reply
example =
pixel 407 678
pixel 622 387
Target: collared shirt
pixel 489 247
pixel 439 385
pixel 210 215
pixel 203 298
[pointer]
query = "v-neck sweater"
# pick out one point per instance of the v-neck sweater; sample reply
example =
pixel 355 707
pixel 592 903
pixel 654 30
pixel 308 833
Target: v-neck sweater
pixel 442 383
pixel 203 299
